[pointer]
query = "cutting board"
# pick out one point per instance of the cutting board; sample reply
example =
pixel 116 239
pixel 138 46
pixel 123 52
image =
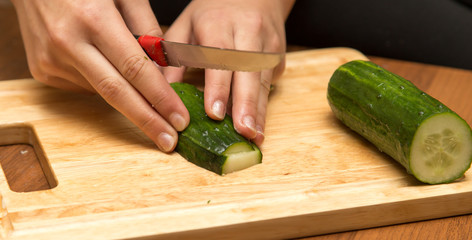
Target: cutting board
pixel 317 176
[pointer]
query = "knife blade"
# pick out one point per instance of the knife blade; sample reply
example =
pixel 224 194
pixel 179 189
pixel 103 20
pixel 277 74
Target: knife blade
pixel 166 53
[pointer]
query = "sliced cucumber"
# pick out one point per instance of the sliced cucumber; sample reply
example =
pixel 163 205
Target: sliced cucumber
pixel 213 145
pixel 441 149
pixel 240 156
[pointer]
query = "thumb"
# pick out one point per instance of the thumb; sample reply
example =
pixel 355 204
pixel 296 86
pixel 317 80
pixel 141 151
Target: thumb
pixel 139 17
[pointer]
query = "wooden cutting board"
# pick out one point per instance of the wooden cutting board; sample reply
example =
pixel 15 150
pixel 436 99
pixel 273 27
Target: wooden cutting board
pixel 317 176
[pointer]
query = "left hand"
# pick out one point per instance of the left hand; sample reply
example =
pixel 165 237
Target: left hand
pixel 242 25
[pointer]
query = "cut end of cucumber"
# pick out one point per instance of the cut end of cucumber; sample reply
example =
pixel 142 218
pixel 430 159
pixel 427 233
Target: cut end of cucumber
pixel 441 150
pixel 239 156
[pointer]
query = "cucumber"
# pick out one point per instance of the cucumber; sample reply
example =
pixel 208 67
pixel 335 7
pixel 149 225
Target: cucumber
pixel 213 145
pixel 431 141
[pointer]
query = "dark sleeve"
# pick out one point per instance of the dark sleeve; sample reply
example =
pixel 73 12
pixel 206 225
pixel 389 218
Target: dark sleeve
pixel 467 2
pixel 167 11
pixel 430 31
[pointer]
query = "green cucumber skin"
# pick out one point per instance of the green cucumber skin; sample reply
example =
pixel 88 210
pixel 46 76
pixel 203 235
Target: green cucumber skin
pixel 381 106
pixel 204 141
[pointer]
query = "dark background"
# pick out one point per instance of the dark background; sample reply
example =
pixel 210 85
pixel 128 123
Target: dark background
pixel 429 31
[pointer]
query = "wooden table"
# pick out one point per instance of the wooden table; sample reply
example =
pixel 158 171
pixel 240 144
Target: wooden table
pixel 432 79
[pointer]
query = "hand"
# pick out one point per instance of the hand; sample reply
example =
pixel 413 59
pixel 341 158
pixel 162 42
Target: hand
pixel 237 24
pixel 87 46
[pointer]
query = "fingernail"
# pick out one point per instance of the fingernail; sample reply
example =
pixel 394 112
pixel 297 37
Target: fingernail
pixel 249 122
pixel 259 130
pixel 260 133
pixel 259 139
pixel 166 142
pixel 178 121
pixel 218 109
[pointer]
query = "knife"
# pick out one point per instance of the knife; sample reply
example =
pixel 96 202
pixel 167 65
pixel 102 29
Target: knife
pixel 166 53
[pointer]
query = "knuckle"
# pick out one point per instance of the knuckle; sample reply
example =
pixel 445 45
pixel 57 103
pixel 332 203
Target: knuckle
pixel 133 67
pixel 266 83
pixel 249 102
pixel 58 40
pixel 154 32
pixel 255 21
pixel 90 16
pixel 276 44
pixel 110 88
pixel 214 13
pixel 44 64
pixel 147 123
pixel 160 98
pixel 221 87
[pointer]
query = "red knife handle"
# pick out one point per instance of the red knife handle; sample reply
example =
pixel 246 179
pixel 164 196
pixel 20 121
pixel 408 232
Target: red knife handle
pixel 152 46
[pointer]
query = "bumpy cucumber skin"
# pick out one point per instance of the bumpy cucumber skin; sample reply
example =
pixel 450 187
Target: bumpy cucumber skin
pixel 381 106
pixel 204 141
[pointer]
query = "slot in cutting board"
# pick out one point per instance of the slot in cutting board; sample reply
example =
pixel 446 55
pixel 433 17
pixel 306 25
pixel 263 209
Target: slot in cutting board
pixel 316 177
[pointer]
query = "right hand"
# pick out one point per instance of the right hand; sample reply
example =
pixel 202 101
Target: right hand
pixel 87 46
pixel 254 25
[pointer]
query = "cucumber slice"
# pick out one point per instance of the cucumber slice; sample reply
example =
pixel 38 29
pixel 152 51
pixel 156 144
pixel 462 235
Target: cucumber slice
pixel 240 156
pixel 430 140
pixel 441 149
pixel 213 145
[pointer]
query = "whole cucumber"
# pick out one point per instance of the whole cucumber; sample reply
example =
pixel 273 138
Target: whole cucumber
pixel 431 141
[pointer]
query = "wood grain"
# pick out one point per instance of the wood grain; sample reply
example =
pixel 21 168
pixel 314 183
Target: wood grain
pixel 109 174
pixel 450 85
pixel 22 169
pixel 13 66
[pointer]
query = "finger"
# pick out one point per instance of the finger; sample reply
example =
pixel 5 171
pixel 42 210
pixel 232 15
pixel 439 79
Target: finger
pixel 139 17
pixel 63 79
pixel 130 60
pixel 75 78
pixel 109 83
pixel 245 99
pixel 217 82
pixel 246 85
pixel 276 43
pixel 179 31
pixel 62 83
pixel 173 74
pixel 264 91
pixel 217 90
pixel 55 70
pixel 278 70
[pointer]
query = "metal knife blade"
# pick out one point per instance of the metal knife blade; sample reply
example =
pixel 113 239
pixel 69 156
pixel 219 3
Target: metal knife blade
pixel 166 53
